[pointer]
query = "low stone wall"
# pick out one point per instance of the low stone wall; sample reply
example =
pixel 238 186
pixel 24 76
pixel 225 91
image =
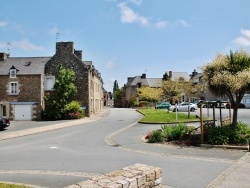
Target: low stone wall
pixel 135 176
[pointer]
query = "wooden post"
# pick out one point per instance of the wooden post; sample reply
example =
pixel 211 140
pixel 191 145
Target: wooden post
pixel 201 124
pixel 214 114
pixel 220 115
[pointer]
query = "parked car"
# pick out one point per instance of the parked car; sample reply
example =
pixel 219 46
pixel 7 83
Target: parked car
pixel 164 105
pixel 4 122
pixel 228 105
pixel 221 104
pixel 184 106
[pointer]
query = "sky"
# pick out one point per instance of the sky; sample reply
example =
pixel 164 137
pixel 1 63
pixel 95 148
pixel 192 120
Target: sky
pixel 126 38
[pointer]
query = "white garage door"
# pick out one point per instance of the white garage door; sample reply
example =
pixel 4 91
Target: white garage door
pixel 23 112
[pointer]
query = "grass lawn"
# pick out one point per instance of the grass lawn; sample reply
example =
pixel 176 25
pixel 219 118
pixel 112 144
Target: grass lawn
pixel 152 115
pixel 4 185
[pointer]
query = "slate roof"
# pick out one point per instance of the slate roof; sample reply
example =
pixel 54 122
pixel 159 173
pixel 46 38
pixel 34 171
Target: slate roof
pixel 25 65
pixel 151 82
pixel 177 75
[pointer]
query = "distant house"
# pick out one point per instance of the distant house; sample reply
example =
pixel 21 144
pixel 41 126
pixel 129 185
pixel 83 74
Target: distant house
pixel 25 80
pixel 138 81
pixel 176 76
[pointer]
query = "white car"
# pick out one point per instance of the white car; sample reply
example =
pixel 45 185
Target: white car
pixel 183 107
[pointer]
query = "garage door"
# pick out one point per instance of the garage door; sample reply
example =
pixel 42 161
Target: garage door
pixel 22 112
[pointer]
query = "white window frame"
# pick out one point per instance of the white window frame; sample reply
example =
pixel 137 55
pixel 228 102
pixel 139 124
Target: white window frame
pixel 12 73
pixel 13 88
pixel 51 78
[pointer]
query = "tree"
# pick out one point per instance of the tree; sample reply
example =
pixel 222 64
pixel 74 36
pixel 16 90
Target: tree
pixel 171 90
pixel 115 87
pixel 150 94
pixel 63 92
pixel 229 75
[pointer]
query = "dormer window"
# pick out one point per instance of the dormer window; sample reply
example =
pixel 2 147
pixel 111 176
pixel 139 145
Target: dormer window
pixel 12 73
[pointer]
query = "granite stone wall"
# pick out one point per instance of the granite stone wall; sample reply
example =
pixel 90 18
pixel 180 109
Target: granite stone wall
pixel 65 56
pixel 135 176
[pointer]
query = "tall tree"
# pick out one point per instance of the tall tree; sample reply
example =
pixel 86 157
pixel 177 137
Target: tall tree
pixel 229 75
pixel 149 94
pixel 115 87
pixel 63 93
pixel 171 90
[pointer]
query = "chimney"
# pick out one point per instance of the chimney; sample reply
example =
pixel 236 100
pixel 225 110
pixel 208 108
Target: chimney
pixel 194 73
pixel 64 47
pixel 78 53
pixel 143 75
pixel 170 74
pixel 3 56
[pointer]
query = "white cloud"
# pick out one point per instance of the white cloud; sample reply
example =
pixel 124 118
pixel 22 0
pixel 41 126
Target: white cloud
pixel 245 32
pixel 26 46
pixel 128 15
pixel 161 24
pixel 183 23
pixel 110 65
pixel 244 39
pixel 3 24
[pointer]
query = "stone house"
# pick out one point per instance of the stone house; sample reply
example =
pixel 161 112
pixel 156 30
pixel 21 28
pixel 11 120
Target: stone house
pixel 138 81
pixel 21 86
pixel 88 80
pixel 25 80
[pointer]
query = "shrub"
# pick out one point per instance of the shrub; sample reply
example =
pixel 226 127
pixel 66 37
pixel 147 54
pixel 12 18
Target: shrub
pixel 176 132
pixel 217 135
pixel 225 135
pixel 73 110
pixel 156 136
pixel 179 131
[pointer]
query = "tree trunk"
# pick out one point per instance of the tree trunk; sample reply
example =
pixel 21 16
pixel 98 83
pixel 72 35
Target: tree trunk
pixel 235 115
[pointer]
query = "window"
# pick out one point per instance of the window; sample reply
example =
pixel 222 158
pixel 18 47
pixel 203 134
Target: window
pixel 13 88
pixel 12 73
pixel 3 110
pixel 49 83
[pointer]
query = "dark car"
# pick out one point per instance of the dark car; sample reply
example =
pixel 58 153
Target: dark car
pixel 4 122
pixel 241 105
pixel 163 105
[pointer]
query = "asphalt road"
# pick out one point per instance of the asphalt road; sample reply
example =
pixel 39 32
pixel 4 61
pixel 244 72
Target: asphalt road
pixel 63 157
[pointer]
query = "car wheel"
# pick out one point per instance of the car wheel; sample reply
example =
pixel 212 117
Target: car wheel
pixel 192 110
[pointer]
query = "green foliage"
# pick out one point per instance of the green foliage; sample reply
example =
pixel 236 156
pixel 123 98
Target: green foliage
pixel 115 87
pixel 74 111
pixel 156 136
pixel 117 94
pixel 225 135
pixel 5 185
pixel 228 75
pixel 149 94
pixel 64 91
pixel 162 116
pixel 175 132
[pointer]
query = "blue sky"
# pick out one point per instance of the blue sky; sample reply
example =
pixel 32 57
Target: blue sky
pixel 125 38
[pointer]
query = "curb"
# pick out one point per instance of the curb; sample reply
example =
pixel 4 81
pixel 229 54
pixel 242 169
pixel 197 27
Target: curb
pixel 225 146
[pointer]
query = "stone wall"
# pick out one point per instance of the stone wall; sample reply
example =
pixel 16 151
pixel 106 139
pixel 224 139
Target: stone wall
pixel 135 176
pixel 29 88
pixel 65 56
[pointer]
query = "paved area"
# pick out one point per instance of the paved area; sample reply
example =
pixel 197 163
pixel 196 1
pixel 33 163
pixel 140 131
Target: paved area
pixel 235 176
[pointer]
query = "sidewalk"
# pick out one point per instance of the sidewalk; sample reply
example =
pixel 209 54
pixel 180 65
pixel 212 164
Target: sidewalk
pixel 34 128
pixel 237 176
